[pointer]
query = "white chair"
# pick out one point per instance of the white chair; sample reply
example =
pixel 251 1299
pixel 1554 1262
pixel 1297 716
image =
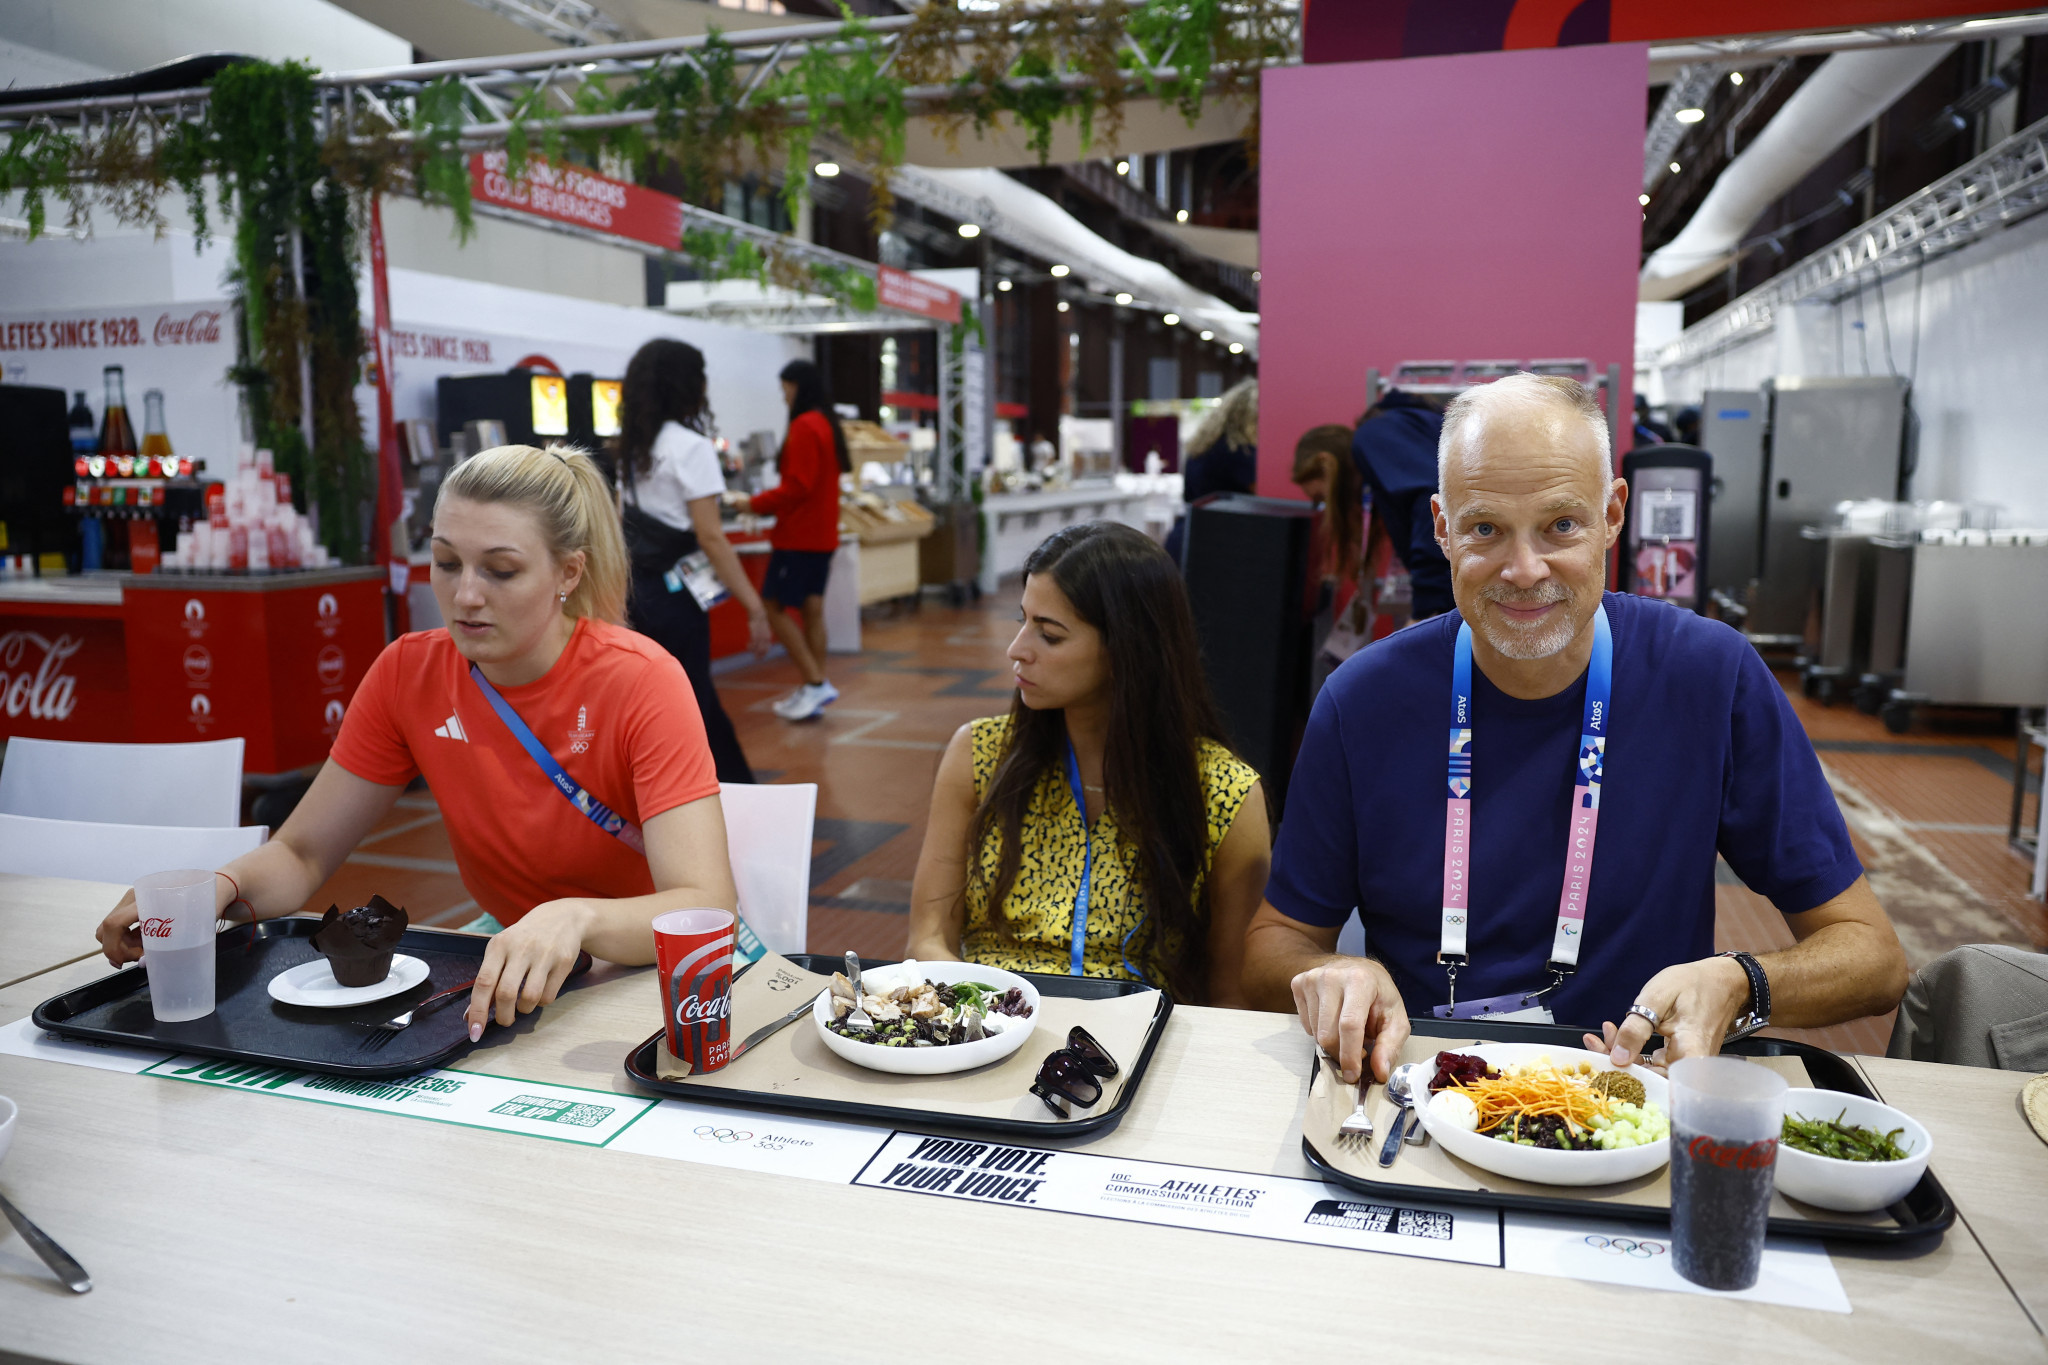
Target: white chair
pixel 87 851
pixel 768 836
pixel 190 786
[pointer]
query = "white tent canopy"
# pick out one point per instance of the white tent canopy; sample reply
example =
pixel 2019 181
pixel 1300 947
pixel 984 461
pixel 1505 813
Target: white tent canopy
pixel 1016 214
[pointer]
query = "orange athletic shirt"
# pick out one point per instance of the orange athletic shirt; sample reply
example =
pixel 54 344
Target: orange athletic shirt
pixel 616 711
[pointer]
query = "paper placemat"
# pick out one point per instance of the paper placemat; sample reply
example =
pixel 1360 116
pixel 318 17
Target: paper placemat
pixel 797 1062
pixel 1426 1166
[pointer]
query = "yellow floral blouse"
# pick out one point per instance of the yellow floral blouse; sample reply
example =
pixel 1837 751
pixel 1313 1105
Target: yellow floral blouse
pixel 1041 900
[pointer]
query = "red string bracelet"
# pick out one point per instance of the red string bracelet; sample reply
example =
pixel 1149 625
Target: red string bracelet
pixel 239 899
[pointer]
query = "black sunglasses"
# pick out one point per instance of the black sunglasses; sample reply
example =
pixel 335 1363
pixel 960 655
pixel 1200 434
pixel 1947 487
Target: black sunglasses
pixel 1075 1072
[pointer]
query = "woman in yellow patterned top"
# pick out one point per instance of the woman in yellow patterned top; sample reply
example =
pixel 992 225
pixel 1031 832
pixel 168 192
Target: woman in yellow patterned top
pixel 1103 827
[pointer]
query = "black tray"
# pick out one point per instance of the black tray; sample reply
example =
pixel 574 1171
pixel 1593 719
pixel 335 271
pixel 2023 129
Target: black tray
pixel 640 1067
pixel 248 1026
pixel 1925 1211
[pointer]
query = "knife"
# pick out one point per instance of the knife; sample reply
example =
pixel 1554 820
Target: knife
pixel 766 1031
pixel 54 1256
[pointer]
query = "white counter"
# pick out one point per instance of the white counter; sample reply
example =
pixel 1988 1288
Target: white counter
pixel 1015 523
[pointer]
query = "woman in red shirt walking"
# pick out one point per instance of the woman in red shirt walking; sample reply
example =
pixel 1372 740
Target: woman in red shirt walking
pixel 805 505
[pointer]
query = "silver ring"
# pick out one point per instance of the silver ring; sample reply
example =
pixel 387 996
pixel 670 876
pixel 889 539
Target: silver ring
pixel 1646 1012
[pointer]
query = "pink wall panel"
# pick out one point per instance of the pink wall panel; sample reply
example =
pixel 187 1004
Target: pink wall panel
pixel 1473 207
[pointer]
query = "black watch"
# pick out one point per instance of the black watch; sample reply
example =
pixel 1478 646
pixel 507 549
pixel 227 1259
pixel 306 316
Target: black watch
pixel 1758 1015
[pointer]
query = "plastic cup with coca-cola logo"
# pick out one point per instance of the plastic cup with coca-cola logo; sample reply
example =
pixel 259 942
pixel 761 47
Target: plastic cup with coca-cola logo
pixel 693 959
pixel 176 914
pixel 1726 1115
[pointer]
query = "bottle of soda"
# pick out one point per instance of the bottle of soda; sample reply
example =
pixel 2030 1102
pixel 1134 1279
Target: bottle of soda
pixel 117 434
pixel 158 459
pixel 85 437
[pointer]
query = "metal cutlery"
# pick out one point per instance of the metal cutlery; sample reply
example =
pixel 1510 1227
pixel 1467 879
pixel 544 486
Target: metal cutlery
pixel 380 1032
pixel 1358 1127
pixel 859 1017
pixel 1401 1090
pixel 760 1034
pixel 57 1258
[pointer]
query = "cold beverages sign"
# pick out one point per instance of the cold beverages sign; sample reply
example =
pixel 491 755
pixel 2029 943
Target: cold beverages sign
pixel 571 194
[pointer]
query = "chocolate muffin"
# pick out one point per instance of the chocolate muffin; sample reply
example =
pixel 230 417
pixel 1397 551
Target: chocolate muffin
pixel 358 943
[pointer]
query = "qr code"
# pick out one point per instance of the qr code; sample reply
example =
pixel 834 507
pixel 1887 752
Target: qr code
pixel 1424 1223
pixel 1668 519
pixel 584 1115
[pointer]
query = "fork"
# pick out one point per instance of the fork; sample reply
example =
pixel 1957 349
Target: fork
pixel 858 1018
pixel 1358 1127
pixel 380 1033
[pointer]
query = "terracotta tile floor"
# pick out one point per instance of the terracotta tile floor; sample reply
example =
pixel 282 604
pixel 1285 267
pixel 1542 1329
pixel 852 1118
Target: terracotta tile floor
pixel 1927 809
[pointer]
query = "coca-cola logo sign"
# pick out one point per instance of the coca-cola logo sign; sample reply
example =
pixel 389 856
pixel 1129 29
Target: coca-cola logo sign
pixel 156 928
pixel 693 1009
pixel 201 328
pixel 32 676
pixel 1753 1156
pixel 331 664
pixel 198 662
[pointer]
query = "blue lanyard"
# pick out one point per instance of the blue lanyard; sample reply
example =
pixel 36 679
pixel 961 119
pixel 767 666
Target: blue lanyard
pixel 1578 869
pixel 596 811
pixel 1078 949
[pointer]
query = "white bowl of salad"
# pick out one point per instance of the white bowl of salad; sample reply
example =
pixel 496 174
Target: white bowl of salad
pixel 931 1017
pixel 1847 1153
pixel 1509 1122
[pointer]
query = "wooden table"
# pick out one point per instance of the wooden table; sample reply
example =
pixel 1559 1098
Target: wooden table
pixel 219 1224
pixel 46 922
pixel 1994 1167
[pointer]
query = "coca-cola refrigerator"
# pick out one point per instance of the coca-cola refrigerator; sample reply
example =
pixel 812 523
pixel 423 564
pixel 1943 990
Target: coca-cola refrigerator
pixel 35 468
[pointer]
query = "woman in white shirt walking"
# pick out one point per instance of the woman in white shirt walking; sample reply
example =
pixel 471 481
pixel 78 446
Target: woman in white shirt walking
pixel 670 484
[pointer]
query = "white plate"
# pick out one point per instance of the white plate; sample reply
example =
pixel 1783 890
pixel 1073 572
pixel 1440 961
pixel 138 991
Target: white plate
pixel 931 1061
pixel 312 983
pixel 1539 1164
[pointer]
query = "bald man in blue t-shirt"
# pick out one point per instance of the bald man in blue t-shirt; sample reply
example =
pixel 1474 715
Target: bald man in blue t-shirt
pixel 1555 861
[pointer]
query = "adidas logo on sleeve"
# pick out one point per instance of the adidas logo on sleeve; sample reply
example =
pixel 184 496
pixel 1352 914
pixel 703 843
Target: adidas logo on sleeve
pixel 451 729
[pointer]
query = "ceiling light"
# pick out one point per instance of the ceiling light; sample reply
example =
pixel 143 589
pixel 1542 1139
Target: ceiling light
pixel 1255 277
pixel 1180 216
pixel 1735 78
pixel 828 169
pixel 970 230
pixel 1171 319
pixel 1003 285
pixel 1237 348
pixel 1208 336
pixel 1674 168
pixel 1123 168
pixel 1063 305
pixel 1059 272
pixel 1123 299
pixel 1690 115
pixel 589 66
pixel 1643 199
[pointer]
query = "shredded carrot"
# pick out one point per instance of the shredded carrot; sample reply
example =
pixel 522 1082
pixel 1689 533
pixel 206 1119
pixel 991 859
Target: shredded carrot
pixel 1533 1091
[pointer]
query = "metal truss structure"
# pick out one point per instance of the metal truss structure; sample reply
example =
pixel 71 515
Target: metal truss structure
pixel 1999 188
pixel 575 22
pixel 1688 90
pixel 1746 51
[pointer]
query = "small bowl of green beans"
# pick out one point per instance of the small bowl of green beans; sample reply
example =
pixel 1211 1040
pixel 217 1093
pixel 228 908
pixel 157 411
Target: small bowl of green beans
pixel 1846 1153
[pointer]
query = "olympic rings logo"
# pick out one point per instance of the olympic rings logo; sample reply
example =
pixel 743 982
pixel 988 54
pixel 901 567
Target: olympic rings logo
pixel 710 1134
pixel 1626 1246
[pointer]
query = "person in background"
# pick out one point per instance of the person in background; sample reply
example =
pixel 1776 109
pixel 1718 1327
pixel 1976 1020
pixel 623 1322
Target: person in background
pixel 805 505
pixel 1395 449
pixel 530 575
pixel 1222 455
pixel 670 486
pixel 1103 827
pixel 1648 430
pixel 1325 474
pixel 1687 426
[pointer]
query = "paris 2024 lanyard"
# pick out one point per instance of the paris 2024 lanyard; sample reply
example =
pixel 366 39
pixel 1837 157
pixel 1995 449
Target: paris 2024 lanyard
pixel 1578 857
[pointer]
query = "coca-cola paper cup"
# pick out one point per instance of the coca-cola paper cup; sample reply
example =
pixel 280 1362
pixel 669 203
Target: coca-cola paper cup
pixel 693 956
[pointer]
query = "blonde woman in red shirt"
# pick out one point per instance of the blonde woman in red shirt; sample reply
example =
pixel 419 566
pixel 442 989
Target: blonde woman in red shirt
pixel 805 505
pixel 530 575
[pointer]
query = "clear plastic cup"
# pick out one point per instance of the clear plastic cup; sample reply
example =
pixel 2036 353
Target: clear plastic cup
pixel 177 914
pixel 1726 1115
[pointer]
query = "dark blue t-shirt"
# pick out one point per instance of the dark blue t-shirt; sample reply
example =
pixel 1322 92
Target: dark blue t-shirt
pixel 1704 754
